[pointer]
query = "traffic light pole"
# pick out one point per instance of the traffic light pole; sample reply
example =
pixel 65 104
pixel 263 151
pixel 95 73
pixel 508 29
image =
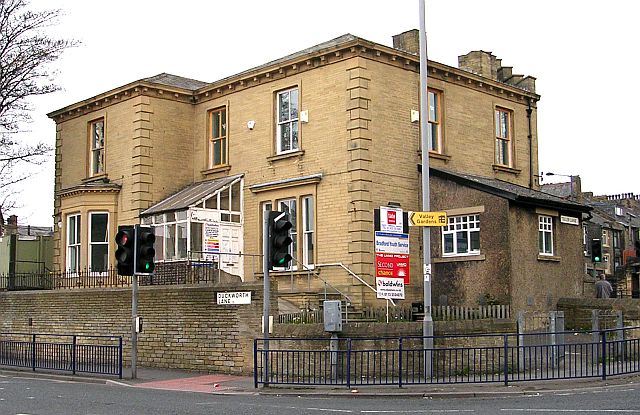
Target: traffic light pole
pixel 134 310
pixel 134 333
pixel 265 295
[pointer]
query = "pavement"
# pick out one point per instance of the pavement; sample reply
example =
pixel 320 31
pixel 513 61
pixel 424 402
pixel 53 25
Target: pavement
pixel 177 380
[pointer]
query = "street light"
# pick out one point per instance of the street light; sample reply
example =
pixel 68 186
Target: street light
pixel 570 176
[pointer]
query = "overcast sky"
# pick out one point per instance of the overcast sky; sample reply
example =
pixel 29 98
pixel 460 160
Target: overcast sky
pixel 584 55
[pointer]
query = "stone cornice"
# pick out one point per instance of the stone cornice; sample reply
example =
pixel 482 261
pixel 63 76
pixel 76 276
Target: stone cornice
pixel 280 69
pixel 88 188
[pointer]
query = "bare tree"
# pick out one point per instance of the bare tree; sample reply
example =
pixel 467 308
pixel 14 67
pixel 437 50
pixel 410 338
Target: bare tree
pixel 25 54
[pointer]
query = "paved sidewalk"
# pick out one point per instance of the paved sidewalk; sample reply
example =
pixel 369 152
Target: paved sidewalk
pixel 225 384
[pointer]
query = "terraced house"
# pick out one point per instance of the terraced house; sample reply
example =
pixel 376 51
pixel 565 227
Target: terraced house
pixel 327 134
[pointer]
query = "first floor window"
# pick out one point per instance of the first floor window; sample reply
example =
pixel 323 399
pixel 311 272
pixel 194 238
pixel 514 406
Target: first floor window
pixel 99 242
pixel 217 137
pixel 545 235
pixel 97 147
pixel 73 243
pixel 461 235
pixel 434 133
pixel 503 137
pixel 287 121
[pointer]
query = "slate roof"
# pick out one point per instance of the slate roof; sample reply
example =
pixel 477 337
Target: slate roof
pixel 176 81
pixel 190 195
pixel 193 85
pixel 510 191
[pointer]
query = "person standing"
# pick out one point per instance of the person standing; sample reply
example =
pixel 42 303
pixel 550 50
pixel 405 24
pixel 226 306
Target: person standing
pixel 603 288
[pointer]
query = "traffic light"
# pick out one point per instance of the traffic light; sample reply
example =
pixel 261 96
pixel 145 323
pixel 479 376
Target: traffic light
pixel 125 239
pixel 596 250
pixel 145 252
pixel 279 239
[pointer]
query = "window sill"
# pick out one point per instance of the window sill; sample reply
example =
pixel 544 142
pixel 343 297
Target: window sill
pixel 506 169
pixel 549 258
pixel 438 156
pixel 461 258
pixel 218 169
pixel 102 177
pixel 289 272
pixel 284 156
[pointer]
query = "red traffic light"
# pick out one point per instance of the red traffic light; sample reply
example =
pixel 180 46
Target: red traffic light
pixel 124 254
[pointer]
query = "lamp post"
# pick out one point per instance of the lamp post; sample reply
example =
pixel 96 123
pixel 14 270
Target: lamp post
pixel 427 323
pixel 570 176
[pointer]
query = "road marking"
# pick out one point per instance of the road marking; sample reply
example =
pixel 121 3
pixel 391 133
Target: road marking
pixel 422 411
pixel 599 411
pixel 329 410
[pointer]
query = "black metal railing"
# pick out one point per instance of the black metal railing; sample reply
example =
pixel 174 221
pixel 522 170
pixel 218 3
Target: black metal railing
pixel 167 273
pixel 500 358
pixel 69 353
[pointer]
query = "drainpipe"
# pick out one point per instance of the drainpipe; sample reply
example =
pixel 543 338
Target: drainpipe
pixel 530 137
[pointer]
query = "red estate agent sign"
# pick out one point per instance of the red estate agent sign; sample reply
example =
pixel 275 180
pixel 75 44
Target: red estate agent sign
pixel 392 266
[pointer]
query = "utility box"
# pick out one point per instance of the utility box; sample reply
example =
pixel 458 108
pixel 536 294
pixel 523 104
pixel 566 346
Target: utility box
pixel 332 311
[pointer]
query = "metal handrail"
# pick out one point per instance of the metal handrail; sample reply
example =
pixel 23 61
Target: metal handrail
pixel 353 274
pixel 310 272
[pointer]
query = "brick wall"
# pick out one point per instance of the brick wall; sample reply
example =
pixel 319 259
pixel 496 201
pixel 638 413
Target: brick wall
pixel 183 327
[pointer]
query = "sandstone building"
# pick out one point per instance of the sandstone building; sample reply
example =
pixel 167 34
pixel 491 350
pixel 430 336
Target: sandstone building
pixel 328 134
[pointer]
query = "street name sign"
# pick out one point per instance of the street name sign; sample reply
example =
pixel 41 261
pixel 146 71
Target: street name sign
pixel 427 218
pixel 238 297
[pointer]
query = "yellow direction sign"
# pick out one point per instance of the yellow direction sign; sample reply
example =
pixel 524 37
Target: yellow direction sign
pixel 427 218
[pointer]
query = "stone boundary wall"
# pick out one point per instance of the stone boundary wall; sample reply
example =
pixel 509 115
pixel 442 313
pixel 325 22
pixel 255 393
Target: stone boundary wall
pixel 396 329
pixel 577 311
pixel 183 327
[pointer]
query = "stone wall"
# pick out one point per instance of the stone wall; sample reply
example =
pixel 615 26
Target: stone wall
pixel 183 327
pixel 578 311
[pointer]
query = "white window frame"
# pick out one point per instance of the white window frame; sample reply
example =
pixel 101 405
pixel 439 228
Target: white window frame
pixel 605 238
pixel 74 245
pixel 545 227
pixel 97 149
pixel 161 221
pixel 463 225
pixel 308 219
pixel 291 121
pixel 92 243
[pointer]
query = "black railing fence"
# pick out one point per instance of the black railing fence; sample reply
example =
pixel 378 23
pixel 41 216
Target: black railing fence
pixel 400 361
pixel 168 273
pixel 69 353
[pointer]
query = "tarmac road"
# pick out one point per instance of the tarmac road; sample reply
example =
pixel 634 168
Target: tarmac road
pixel 28 394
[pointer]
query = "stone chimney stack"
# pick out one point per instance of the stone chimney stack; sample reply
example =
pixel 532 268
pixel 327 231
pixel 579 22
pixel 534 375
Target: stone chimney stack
pixel 408 41
pixel 12 225
pixel 488 66
pixel 481 63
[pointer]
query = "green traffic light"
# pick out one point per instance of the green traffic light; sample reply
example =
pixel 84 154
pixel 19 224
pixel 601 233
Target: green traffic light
pixel 146 266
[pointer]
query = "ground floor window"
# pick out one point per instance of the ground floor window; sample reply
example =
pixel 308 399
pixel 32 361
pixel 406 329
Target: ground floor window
pixel 99 242
pixel 545 235
pixel 302 232
pixel 73 243
pixel 461 236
